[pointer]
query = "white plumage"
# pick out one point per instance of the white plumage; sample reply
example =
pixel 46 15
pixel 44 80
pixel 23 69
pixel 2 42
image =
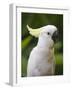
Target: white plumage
pixel 42 60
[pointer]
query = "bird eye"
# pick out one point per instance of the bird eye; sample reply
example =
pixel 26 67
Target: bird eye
pixel 48 33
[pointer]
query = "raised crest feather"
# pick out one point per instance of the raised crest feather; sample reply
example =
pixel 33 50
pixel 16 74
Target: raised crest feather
pixel 34 32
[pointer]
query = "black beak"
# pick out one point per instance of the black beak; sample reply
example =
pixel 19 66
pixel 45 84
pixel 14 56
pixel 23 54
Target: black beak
pixel 55 36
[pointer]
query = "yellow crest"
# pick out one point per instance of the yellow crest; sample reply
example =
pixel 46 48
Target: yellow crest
pixel 34 32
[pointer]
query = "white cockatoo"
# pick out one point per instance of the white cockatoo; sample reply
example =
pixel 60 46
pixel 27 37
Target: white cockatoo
pixel 42 60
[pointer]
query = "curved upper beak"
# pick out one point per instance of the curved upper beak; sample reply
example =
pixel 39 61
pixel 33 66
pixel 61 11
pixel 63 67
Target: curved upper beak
pixel 55 36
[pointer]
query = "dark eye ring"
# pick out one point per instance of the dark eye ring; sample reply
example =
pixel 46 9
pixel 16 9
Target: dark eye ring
pixel 48 33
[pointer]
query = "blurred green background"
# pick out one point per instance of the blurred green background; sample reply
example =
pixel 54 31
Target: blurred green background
pixel 36 20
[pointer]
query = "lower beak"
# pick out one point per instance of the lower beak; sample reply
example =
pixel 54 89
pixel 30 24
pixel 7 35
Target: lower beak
pixel 55 36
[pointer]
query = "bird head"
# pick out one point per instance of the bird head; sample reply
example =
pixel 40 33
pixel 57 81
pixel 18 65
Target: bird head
pixel 48 32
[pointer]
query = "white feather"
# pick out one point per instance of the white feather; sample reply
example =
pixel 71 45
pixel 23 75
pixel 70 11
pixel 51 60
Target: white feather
pixel 42 61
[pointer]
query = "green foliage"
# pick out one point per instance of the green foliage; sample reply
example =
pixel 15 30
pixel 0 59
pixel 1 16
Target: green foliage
pixel 24 67
pixel 36 20
pixel 26 42
pixel 59 64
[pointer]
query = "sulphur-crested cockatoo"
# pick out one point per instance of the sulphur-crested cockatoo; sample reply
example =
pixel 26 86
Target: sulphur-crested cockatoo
pixel 42 60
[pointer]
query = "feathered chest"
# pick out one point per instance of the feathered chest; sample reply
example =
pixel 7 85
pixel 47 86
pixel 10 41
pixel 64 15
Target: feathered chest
pixel 45 54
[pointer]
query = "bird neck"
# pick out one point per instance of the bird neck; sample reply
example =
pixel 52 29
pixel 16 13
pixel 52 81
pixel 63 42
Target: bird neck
pixel 44 42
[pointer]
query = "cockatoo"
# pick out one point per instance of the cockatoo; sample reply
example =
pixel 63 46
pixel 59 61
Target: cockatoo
pixel 42 60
